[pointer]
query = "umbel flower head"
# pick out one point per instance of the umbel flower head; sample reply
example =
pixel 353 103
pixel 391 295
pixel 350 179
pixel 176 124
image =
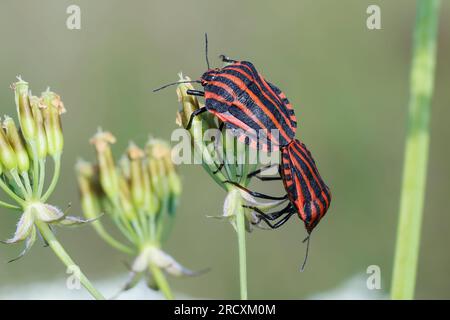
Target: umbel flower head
pixel 24 149
pixel 225 158
pixel 139 192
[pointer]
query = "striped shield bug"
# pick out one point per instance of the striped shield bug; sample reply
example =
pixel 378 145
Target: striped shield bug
pixel 308 195
pixel 252 108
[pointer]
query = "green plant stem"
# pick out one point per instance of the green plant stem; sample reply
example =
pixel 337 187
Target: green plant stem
pixel 235 209
pixel 35 168
pixel 27 183
pixel 109 239
pixel 416 152
pixel 10 193
pixel 58 249
pixel 19 183
pixel 9 206
pixel 161 281
pixel 41 179
pixel 57 171
pixel 240 224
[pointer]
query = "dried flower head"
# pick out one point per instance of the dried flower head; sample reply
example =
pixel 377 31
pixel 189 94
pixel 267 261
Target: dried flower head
pixel 140 194
pixel 23 152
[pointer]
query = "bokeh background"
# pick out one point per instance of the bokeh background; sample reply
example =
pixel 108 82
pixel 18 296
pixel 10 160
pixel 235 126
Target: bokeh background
pixel 349 87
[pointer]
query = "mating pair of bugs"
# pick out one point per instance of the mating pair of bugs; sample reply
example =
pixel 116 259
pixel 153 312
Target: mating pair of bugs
pixel 245 102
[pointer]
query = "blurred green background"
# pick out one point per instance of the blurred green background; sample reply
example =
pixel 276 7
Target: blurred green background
pixel 349 86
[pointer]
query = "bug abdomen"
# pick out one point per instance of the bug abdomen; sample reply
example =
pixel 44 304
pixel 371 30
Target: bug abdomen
pixel 304 185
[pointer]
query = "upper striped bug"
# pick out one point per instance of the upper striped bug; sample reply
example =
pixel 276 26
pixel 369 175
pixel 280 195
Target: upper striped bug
pixel 308 195
pixel 246 103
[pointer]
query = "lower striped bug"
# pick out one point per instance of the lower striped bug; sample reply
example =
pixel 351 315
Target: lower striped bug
pixel 308 195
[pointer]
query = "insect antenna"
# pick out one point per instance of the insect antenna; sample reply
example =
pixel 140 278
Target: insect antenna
pixel 174 83
pixel 308 238
pixel 206 50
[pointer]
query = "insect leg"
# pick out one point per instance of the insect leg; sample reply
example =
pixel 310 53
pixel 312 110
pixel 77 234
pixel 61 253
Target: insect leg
pixel 193 115
pixel 196 93
pixel 279 223
pixel 226 59
pixel 219 168
pixel 272 215
pixel 256 194
pixel 256 172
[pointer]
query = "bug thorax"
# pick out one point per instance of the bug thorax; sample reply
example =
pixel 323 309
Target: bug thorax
pixel 209 76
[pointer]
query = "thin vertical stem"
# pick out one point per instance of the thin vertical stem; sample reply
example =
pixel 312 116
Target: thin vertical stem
pixel 41 179
pixel 416 152
pixel 27 183
pixel 35 168
pixel 235 209
pixel 161 281
pixel 19 183
pixel 240 224
pixel 56 173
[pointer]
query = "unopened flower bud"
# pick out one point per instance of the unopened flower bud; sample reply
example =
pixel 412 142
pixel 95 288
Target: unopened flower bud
pixel 157 177
pixel 52 108
pixel 157 150
pixel 124 166
pixel 175 183
pixel 161 151
pixel 24 110
pixel 88 193
pixel 8 157
pixel 189 103
pixel 16 142
pixel 41 137
pixel 125 199
pixel 138 192
pixel 151 202
pixel 109 179
pixel 171 173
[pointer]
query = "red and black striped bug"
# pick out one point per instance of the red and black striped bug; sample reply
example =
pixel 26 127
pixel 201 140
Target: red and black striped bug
pixel 250 106
pixel 308 195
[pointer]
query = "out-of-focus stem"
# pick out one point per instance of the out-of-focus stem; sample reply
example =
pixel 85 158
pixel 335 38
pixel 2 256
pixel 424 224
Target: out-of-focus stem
pixel 109 239
pixel 8 205
pixel 416 152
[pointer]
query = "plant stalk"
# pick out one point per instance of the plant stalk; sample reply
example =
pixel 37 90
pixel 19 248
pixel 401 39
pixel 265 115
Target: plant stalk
pixel 10 193
pixel 56 173
pixel 240 225
pixel 416 151
pixel 235 210
pixel 58 249
pixel 9 206
pixel 109 239
pixel 161 281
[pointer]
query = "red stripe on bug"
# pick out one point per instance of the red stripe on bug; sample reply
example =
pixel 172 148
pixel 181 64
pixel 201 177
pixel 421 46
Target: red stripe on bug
pixel 269 114
pixel 288 121
pixel 309 164
pixel 241 107
pixel 306 179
